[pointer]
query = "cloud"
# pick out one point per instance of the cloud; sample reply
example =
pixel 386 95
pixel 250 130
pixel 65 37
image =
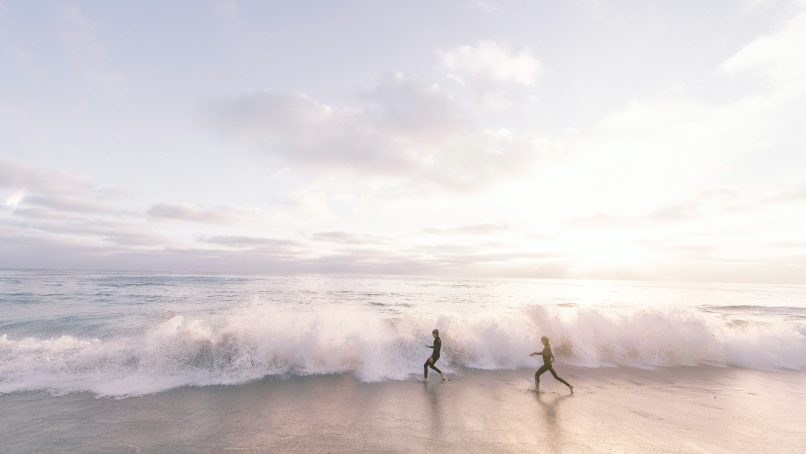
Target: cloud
pixel 638 172
pixel 720 130
pixel 283 125
pixel 644 117
pixel 777 56
pixel 14 199
pixel 470 229
pixel 790 244
pixel 598 220
pixel 45 214
pixel 86 231
pixel 218 215
pixel 58 206
pixel 460 254
pixel 249 241
pixel 346 237
pixel 22 177
pixel 696 251
pixel 67 204
pixel 410 109
pixel 490 61
pixel 676 212
pixel 42 195
pixel 401 131
pixel 717 199
pixel 27 251
pixel 791 193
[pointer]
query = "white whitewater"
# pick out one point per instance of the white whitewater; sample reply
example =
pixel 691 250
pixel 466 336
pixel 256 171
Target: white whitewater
pixel 125 335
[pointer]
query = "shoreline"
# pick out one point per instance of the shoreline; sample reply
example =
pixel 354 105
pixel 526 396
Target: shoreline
pixel 694 409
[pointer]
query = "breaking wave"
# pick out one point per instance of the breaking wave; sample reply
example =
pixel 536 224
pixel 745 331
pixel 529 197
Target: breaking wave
pixel 255 342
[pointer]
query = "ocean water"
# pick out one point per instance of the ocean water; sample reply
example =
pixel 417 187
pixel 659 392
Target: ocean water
pixel 127 334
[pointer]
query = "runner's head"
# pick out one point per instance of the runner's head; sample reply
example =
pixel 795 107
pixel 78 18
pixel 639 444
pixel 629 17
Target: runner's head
pixel 435 333
pixel 545 340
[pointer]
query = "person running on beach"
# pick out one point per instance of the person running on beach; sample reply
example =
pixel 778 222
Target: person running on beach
pixel 548 359
pixel 434 357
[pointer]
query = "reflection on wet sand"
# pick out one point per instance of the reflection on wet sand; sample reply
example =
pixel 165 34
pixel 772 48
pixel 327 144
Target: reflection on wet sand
pixel 552 423
pixel 670 410
pixel 433 393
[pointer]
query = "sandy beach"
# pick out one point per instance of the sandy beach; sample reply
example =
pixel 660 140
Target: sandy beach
pixel 713 410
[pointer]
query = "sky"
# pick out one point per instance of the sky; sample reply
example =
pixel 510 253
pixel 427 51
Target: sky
pixel 580 139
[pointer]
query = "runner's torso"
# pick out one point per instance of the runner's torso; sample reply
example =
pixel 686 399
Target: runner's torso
pixel 546 353
pixel 437 347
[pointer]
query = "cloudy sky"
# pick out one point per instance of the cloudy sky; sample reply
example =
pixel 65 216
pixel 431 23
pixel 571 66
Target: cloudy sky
pixel 601 139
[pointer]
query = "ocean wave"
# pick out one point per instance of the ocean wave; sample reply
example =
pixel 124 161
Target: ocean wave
pixel 754 309
pixel 256 341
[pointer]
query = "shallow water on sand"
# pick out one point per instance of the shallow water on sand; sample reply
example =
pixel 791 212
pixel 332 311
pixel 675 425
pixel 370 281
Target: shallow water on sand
pixel 671 410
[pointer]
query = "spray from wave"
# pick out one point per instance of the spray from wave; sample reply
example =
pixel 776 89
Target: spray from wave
pixel 256 342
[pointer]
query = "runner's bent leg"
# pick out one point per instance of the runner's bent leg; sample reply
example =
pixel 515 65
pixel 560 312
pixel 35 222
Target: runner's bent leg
pixel 431 362
pixel 559 379
pixel 540 372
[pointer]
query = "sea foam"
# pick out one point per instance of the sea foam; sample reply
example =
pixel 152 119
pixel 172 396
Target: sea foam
pixel 253 342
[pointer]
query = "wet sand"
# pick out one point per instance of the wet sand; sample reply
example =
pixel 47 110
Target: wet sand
pixel 713 410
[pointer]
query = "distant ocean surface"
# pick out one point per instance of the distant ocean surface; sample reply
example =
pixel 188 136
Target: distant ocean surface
pixel 126 334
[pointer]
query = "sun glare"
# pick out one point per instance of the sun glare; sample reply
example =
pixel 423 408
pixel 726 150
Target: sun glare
pixel 593 250
pixel 14 199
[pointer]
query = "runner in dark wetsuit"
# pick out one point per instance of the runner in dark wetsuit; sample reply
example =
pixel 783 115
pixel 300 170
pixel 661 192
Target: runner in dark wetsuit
pixel 434 356
pixel 548 359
